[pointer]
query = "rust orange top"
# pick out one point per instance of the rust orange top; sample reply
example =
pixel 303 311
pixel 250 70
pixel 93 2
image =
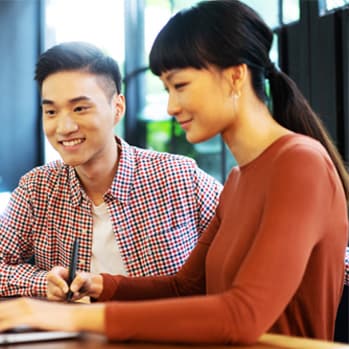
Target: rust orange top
pixel 272 259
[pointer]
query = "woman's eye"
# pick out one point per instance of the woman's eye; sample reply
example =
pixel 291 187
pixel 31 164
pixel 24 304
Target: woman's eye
pixel 180 85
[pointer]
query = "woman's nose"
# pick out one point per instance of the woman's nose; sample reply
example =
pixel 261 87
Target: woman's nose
pixel 172 105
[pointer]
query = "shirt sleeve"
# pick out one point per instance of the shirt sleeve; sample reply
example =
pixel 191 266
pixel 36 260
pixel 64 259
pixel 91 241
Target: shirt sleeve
pixel 207 191
pixel 17 276
pixel 252 304
pixel 347 267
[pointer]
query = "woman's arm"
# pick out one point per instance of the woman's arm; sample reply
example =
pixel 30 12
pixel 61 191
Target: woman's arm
pixel 52 316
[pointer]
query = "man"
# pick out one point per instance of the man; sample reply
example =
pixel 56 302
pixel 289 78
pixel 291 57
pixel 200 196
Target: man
pixel 136 212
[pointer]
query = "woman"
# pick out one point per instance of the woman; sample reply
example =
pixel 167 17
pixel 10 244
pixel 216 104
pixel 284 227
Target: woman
pixel 272 258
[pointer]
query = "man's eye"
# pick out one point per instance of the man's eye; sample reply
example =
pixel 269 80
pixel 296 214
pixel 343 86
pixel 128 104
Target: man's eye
pixel 49 112
pixel 80 109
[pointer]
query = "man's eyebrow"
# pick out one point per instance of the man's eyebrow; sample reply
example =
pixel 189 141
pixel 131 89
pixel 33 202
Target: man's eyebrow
pixel 46 101
pixel 79 99
pixel 71 101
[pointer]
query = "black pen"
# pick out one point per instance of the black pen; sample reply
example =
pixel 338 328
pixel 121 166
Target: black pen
pixel 72 267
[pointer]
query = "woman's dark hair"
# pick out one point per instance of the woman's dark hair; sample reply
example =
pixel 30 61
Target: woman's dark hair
pixel 78 56
pixel 227 33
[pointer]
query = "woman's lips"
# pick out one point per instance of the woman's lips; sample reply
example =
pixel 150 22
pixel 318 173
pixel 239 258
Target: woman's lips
pixel 185 124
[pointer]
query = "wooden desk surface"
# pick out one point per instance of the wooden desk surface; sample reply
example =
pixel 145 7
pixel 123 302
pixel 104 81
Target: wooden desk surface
pixel 267 341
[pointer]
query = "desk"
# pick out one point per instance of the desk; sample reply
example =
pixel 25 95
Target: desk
pixel 267 341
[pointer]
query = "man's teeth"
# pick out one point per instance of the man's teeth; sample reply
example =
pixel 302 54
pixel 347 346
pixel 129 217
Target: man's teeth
pixel 72 142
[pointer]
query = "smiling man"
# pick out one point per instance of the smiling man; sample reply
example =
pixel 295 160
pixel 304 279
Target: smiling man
pixel 136 212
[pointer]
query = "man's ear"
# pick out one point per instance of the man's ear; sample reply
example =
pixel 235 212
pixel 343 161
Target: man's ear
pixel 119 107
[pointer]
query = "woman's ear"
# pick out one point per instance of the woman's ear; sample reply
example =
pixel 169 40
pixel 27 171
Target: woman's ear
pixel 237 76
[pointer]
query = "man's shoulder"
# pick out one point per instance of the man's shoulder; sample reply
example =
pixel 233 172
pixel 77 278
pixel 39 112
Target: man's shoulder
pixel 162 158
pixel 45 173
pixel 152 164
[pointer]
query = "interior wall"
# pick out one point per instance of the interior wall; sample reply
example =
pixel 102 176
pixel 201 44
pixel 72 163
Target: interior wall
pixel 20 140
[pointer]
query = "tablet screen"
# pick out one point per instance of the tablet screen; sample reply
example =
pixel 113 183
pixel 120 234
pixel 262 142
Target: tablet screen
pixel 24 334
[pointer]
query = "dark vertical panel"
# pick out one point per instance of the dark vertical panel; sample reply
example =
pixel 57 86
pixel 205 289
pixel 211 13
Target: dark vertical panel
pixel 323 69
pixel 294 51
pixel 134 71
pixel 342 321
pixel 308 54
pixel 19 46
pixel 344 15
pixel 311 54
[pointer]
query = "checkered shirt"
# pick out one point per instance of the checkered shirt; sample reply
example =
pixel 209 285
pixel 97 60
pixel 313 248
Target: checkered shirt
pixel 346 275
pixel 158 203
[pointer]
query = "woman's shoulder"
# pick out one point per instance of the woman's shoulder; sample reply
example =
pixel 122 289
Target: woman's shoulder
pixel 298 147
pixel 299 155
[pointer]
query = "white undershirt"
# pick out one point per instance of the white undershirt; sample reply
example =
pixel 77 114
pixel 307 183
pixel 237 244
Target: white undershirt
pixel 106 257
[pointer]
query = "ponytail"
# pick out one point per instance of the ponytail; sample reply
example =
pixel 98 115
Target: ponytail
pixel 291 110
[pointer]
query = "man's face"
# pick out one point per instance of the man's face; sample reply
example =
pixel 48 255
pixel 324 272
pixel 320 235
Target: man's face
pixel 79 117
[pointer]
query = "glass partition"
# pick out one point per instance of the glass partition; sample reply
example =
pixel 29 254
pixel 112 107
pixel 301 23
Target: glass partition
pixel 4 199
pixel 100 22
pixel 290 11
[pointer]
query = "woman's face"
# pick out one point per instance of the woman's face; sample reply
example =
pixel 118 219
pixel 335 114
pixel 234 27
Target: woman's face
pixel 201 100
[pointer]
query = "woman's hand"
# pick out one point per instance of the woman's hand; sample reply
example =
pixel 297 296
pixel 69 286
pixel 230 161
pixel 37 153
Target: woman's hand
pixel 84 284
pixel 51 316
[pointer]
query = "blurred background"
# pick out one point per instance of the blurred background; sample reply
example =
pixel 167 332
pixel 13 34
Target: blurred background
pixel 311 44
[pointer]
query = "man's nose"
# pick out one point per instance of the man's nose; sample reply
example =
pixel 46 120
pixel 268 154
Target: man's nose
pixel 66 124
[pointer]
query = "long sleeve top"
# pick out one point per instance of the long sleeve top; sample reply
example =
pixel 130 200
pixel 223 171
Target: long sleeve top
pixel 159 204
pixel 271 259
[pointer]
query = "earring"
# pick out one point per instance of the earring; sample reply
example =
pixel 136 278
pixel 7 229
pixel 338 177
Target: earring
pixel 237 94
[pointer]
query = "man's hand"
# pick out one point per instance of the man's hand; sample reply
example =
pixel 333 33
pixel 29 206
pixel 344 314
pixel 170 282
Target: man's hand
pixel 84 284
pixel 57 287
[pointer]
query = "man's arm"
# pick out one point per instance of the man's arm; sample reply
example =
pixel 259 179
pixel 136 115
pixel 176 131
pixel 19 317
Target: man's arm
pixel 208 191
pixel 17 276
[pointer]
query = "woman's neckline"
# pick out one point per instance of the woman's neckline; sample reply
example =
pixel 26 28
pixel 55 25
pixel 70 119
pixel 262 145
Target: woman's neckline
pixel 267 150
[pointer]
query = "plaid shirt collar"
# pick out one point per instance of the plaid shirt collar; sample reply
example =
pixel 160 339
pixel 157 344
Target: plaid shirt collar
pixel 122 182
